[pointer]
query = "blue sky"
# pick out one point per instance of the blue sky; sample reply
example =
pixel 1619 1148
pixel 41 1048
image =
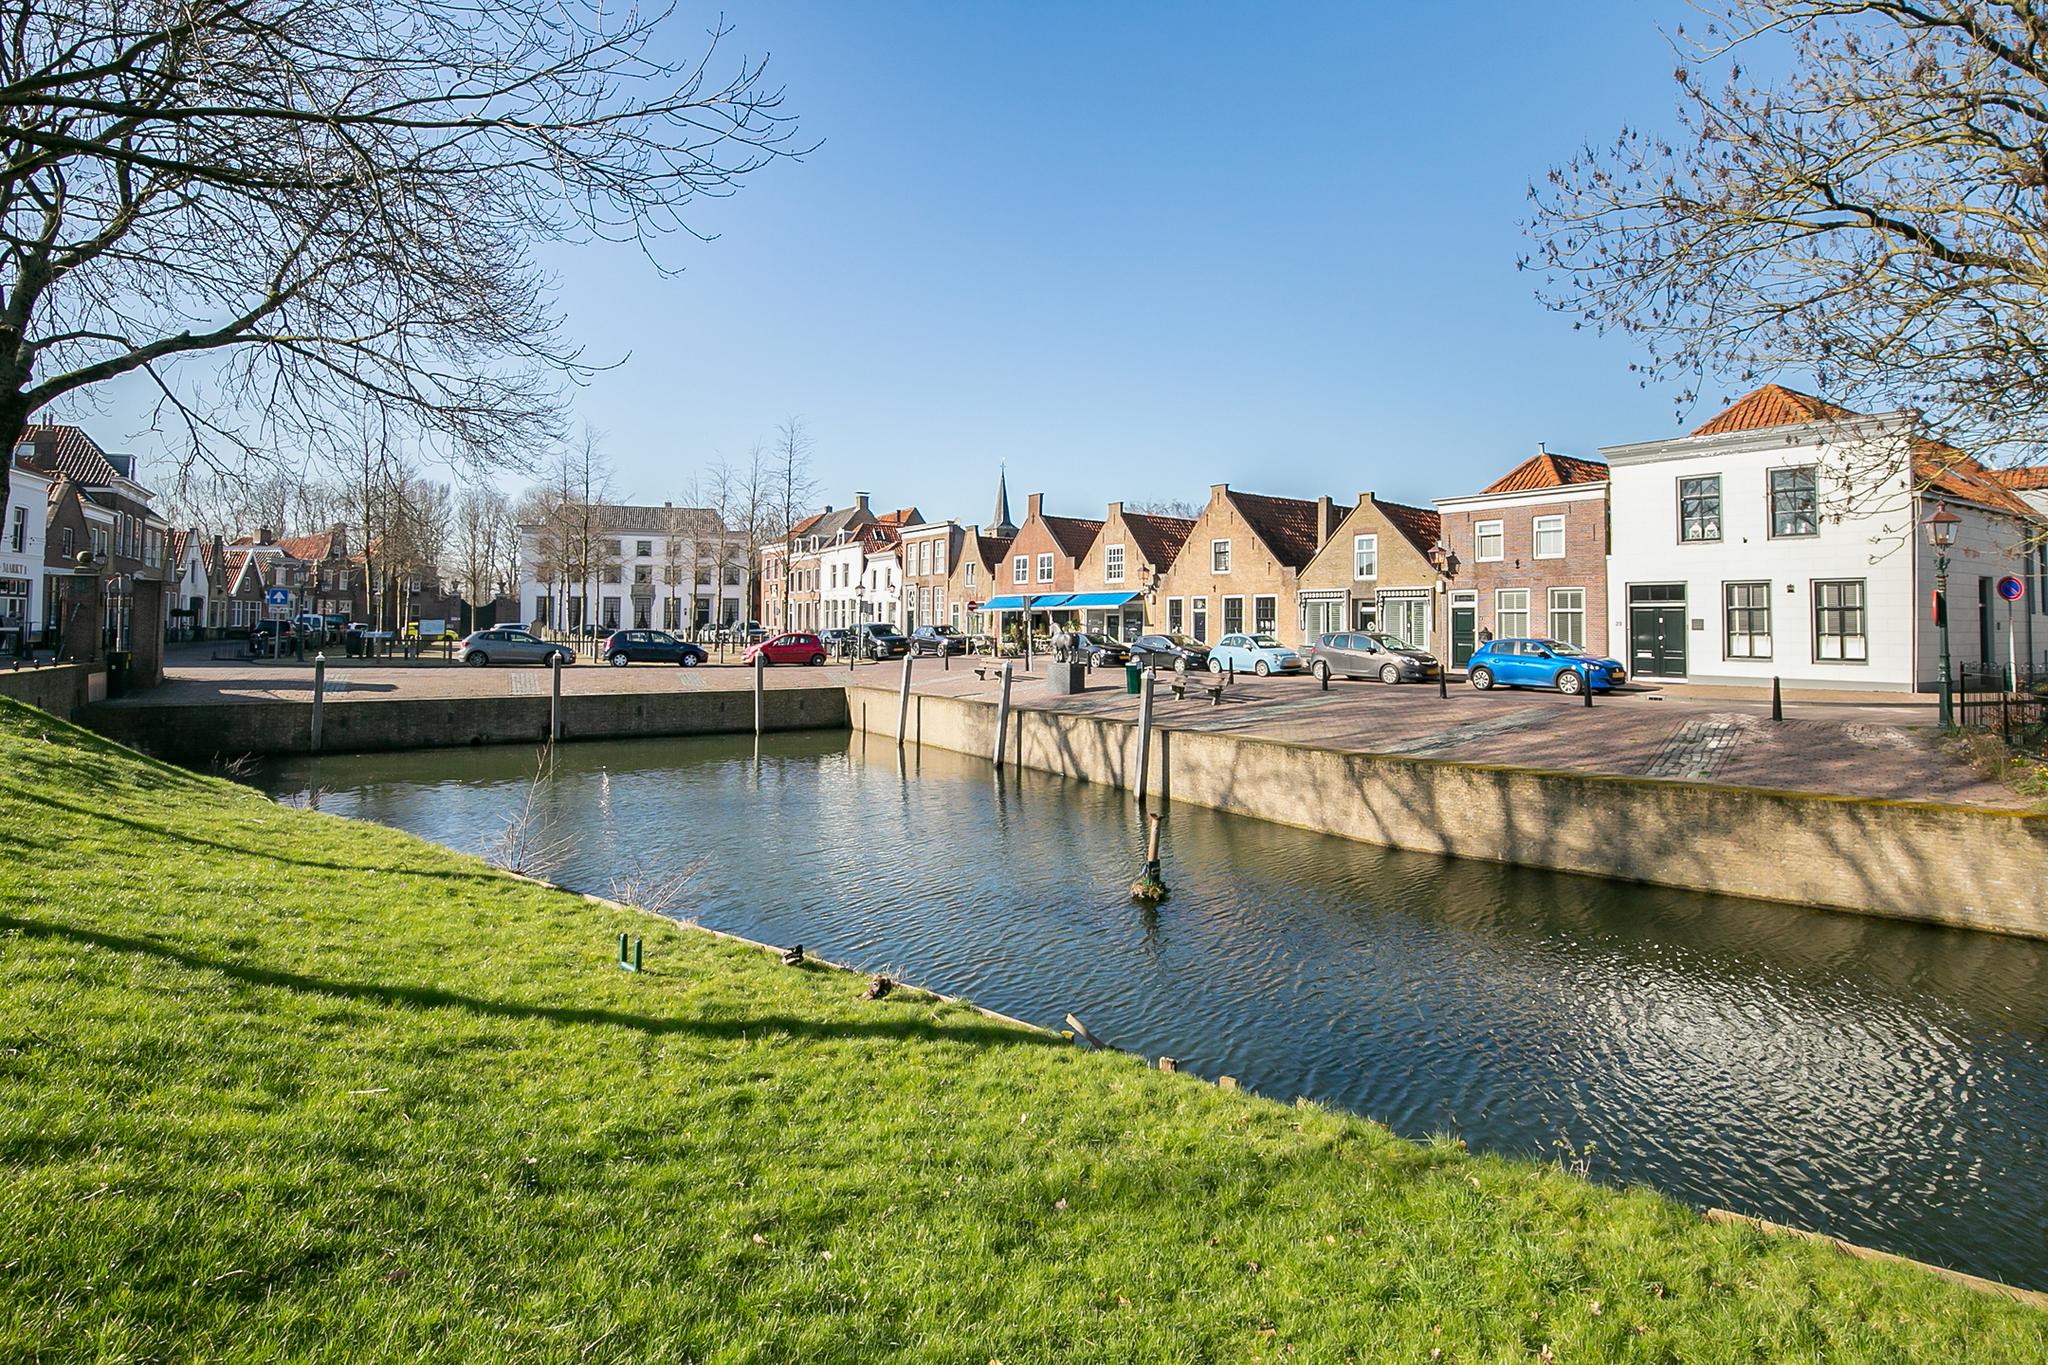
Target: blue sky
pixel 1134 250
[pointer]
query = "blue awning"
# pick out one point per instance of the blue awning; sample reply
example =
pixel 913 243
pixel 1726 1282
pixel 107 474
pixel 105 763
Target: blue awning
pixel 1039 603
pixel 1002 604
pixel 1100 599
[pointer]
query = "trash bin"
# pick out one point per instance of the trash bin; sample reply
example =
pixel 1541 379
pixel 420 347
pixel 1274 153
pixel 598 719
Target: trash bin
pixel 1133 677
pixel 120 663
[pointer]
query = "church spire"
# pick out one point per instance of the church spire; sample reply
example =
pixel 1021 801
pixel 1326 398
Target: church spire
pixel 1002 526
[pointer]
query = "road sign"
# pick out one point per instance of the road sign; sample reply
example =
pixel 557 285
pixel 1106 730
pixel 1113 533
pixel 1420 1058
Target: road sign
pixel 2011 588
pixel 278 597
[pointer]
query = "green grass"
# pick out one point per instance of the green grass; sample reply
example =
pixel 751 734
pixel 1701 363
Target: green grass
pixel 274 1083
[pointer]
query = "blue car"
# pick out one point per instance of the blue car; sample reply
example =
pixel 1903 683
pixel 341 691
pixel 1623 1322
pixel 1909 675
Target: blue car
pixel 1260 654
pixel 1542 663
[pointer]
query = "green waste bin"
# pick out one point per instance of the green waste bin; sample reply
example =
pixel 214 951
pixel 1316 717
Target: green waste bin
pixel 120 664
pixel 1132 676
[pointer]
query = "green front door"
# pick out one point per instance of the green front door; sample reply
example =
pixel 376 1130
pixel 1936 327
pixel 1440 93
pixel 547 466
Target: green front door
pixel 1656 628
pixel 1464 632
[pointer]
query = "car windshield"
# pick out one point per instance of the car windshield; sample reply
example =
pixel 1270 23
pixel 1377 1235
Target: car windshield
pixel 1389 641
pixel 1183 641
pixel 1570 651
pixel 1267 642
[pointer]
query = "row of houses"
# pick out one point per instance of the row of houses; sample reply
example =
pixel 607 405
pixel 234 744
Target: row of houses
pixel 631 566
pixel 1783 538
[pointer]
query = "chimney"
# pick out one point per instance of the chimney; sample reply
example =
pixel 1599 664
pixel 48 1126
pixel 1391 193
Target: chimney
pixel 264 535
pixel 1034 506
pixel 1116 509
pixel 666 503
pixel 1542 449
pixel 1323 520
pixel 860 502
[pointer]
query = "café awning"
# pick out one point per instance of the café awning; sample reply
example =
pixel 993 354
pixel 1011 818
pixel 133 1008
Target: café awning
pixel 1099 599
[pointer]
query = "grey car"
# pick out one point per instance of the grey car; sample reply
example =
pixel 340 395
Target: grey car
pixel 511 645
pixel 1370 654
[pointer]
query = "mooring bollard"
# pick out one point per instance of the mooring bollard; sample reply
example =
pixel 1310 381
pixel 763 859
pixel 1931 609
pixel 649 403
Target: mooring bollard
pixel 1443 686
pixel 1003 717
pixel 1144 733
pixel 319 697
pixel 1150 887
pixel 760 690
pixel 1586 676
pixel 1777 699
pixel 903 702
pixel 555 700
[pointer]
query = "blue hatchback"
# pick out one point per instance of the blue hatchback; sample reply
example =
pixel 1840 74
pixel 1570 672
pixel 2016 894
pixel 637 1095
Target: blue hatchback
pixel 1542 663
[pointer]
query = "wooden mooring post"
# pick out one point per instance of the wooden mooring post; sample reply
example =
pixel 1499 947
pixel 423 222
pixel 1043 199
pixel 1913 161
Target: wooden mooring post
pixel 1144 733
pixel 903 702
pixel 1003 718
pixel 319 699
pixel 555 701
pixel 760 689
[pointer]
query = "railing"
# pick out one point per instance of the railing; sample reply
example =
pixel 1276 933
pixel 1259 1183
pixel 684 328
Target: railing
pixel 2000 699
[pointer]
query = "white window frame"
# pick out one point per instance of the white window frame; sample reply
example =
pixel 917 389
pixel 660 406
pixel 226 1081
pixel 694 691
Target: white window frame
pixel 1176 615
pixel 1020 569
pixel 1224 617
pixel 1481 530
pixel 1539 528
pixel 1045 567
pixel 1554 611
pixel 1501 611
pixel 1112 563
pixel 1272 602
pixel 1219 556
pixel 1198 610
pixel 1365 556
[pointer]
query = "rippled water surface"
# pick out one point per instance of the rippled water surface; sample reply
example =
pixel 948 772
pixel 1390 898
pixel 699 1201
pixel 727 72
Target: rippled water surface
pixel 1883 1082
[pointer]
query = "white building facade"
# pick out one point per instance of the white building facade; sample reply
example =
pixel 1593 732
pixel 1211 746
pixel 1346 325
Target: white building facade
pixel 23 543
pixel 640 568
pixel 1784 539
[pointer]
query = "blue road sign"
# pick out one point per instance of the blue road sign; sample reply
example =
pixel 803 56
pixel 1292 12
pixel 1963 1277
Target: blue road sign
pixel 278 597
pixel 2011 589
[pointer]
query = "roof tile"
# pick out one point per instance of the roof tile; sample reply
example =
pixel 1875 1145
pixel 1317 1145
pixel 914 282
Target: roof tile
pixel 1773 405
pixel 1287 525
pixel 1545 470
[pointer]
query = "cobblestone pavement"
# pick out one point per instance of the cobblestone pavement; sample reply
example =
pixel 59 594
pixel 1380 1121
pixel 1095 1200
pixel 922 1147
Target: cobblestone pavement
pixel 1842 742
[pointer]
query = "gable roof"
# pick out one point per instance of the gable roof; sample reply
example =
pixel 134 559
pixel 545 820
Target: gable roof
pixel 2028 477
pixel 1948 473
pixel 1545 470
pixel 1159 538
pixel 1287 525
pixel 902 516
pixel 1072 534
pixel 71 453
pixel 315 546
pixel 1421 527
pixel 1773 405
pixel 179 540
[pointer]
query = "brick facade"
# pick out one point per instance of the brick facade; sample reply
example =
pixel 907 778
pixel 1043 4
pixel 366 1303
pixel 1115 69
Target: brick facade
pixel 1503 583
pixel 1255 583
pixel 1377 571
pixel 1130 554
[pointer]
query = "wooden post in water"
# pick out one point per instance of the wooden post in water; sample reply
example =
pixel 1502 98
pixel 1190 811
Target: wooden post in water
pixel 1150 887
pixel 555 701
pixel 760 690
pixel 319 698
pixel 903 702
pixel 1003 717
pixel 1144 734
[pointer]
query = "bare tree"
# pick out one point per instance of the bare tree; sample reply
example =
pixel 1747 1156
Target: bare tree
pixel 481 527
pixel 1165 507
pixel 1876 217
pixel 271 210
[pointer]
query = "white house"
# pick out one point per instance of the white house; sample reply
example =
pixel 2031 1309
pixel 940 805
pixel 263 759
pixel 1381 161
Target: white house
pixel 23 535
pixel 644 568
pixel 1784 538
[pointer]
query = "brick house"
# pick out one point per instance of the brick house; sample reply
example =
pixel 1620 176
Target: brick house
pixel 792 580
pixel 1529 556
pixel 1241 566
pixel 1041 564
pixel 930 551
pixel 1119 576
pixel 1377 571
pixel 977 569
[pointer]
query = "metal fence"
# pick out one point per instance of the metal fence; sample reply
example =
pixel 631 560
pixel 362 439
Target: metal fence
pixel 2001 699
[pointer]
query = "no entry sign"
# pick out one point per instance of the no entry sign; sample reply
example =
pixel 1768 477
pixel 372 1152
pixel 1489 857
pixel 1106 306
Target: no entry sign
pixel 2011 588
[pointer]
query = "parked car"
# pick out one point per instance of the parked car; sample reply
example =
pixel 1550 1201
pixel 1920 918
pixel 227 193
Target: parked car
pixel 1260 654
pixel 260 633
pixel 1370 654
pixel 1169 651
pixel 937 640
pixel 1542 663
pixel 624 647
pixel 312 628
pixel 797 647
pixel 511 645
pixel 835 641
pixel 1097 651
pixel 879 640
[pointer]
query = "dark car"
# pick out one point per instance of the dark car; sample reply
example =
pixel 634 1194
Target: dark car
pixel 260 633
pixel 1169 651
pixel 879 640
pixel 937 640
pixel 649 647
pixel 1370 654
pixel 1097 651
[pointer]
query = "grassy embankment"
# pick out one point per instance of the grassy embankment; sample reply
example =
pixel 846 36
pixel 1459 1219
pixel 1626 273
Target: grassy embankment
pixel 273 1082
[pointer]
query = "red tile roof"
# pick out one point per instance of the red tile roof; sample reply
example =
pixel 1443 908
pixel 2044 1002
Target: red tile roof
pixel 1073 534
pixel 902 516
pixel 1287 525
pixel 806 524
pixel 1545 470
pixel 1423 527
pixel 316 546
pixel 2026 476
pixel 1947 472
pixel 179 540
pixel 1159 538
pixel 73 454
pixel 1773 405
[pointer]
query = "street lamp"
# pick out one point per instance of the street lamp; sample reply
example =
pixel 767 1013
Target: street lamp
pixel 1941 533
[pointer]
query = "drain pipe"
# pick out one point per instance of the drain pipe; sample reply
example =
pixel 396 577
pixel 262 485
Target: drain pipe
pixel 1144 733
pixel 903 701
pixel 1003 717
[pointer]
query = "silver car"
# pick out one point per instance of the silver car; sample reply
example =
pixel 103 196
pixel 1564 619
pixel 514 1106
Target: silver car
pixel 511 645
pixel 1370 654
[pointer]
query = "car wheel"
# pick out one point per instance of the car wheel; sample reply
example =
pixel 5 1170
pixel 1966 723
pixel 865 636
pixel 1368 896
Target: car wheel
pixel 1260 668
pixel 817 661
pixel 689 660
pixel 1482 679
pixel 618 661
pixel 476 660
pixel 1215 665
pixel 1390 674
pixel 1322 672
pixel 1570 682
pixel 1180 664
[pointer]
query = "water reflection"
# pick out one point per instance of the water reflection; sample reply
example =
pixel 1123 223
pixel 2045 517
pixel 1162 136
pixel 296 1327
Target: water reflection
pixel 1876 1080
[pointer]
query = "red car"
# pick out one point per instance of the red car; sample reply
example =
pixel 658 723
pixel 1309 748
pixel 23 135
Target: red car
pixel 796 648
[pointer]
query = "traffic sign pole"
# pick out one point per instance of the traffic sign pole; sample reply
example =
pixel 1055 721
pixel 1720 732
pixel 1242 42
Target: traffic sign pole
pixel 2012 589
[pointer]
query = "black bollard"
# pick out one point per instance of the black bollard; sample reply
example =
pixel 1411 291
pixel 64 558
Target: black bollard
pixel 1587 690
pixel 1777 698
pixel 1443 686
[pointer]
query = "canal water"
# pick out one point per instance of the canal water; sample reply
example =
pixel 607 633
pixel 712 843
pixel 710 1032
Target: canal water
pixel 1880 1081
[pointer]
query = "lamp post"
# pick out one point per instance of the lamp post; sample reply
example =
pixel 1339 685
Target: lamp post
pixel 1941 533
